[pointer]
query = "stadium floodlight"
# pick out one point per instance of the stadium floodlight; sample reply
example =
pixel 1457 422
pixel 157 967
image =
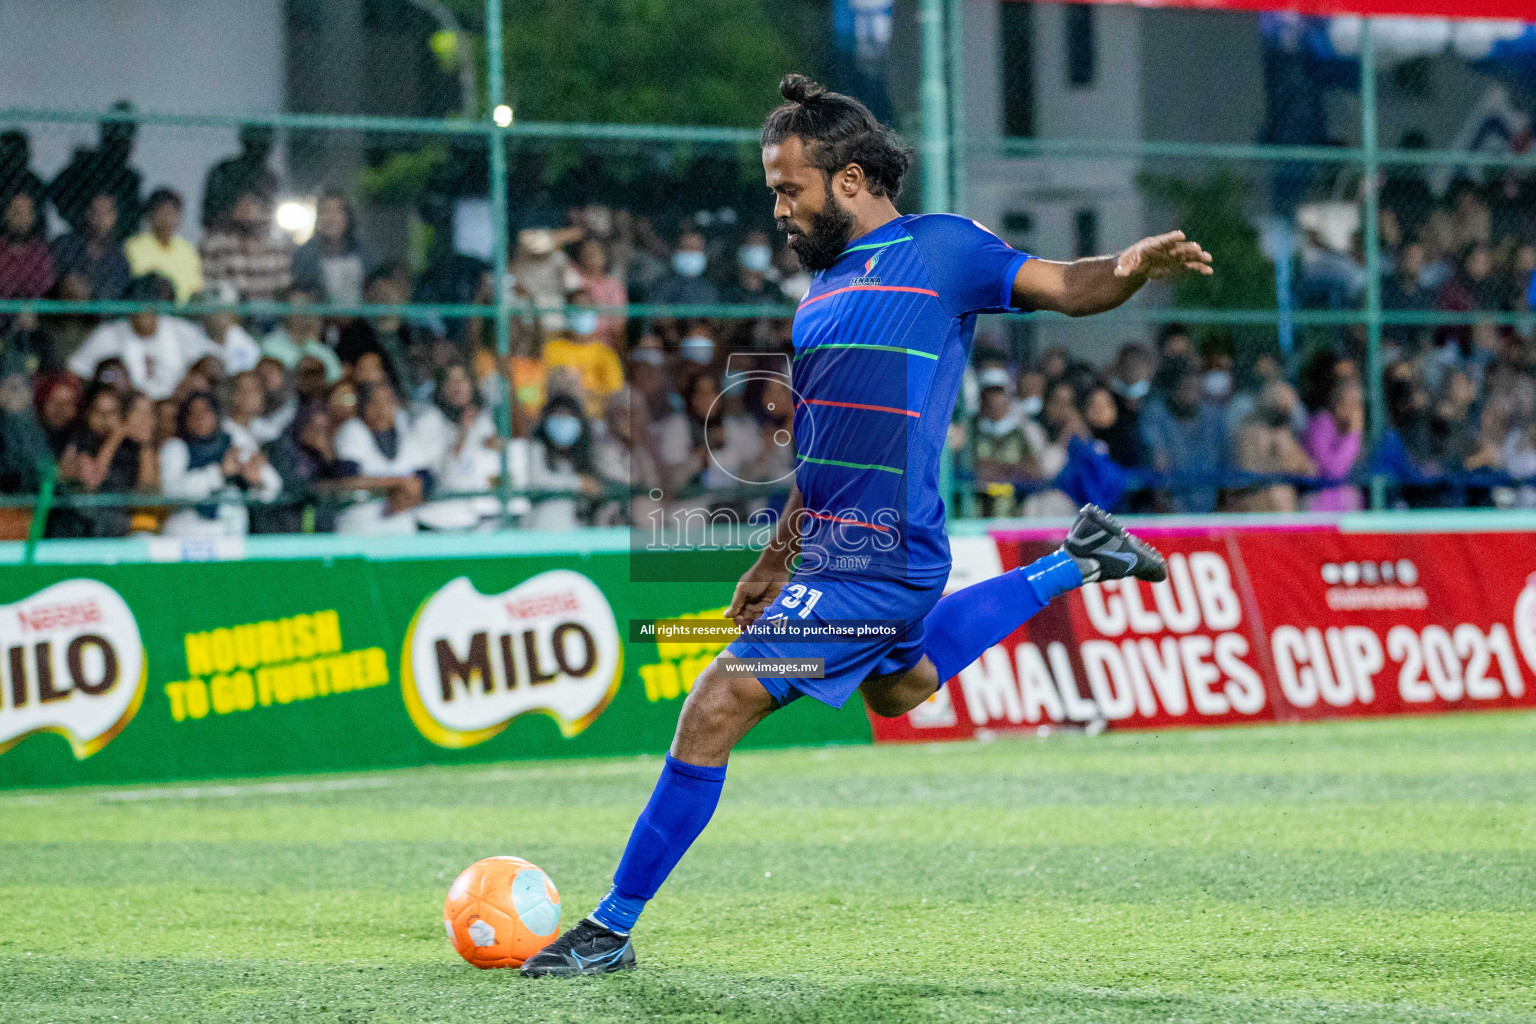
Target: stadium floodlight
pixel 502 115
pixel 297 217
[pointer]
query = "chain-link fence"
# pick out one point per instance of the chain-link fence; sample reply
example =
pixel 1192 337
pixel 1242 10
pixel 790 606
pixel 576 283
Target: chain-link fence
pixel 358 290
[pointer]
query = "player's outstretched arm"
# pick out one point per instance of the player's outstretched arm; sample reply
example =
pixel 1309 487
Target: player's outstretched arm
pixel 761 584
pixel 1087 286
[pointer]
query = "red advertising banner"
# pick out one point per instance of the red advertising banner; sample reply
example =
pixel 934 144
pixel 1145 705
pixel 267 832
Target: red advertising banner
pixel 1259 625
pixel 1519 10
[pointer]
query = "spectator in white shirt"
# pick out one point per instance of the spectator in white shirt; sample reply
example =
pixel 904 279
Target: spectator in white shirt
pixel 461 439
pixel 228 342
pixel 157 350
pixel 560 459
pixel 390 461
pixel 204 460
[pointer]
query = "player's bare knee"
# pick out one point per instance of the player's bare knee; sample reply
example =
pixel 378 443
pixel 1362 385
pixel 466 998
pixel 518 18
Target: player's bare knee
pixel 718 711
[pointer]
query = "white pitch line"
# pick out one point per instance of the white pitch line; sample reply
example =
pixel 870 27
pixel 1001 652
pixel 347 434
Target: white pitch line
pixel 449 777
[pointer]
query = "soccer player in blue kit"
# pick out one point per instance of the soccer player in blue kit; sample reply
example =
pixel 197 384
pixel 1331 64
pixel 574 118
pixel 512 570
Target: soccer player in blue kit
pixel 880 343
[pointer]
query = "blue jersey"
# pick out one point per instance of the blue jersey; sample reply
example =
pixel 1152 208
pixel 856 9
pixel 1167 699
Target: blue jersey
pixel 881 341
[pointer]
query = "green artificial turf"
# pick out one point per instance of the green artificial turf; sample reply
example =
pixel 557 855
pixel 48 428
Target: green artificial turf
pixel 1367 871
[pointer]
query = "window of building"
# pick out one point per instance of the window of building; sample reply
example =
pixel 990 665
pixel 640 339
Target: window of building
pixel 1081 45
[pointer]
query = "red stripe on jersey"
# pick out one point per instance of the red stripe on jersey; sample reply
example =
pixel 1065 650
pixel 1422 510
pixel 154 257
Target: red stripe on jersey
pixel 869 288
pixel 861 405
pixel 850 522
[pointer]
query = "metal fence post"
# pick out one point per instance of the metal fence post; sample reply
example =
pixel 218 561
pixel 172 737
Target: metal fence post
pixel 1376 412
pixel 495 88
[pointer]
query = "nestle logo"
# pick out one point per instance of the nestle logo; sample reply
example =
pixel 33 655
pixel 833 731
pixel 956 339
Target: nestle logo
pixel 1371 574
pixel 864 281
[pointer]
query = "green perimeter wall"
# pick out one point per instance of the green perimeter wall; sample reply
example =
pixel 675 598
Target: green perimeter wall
pixel 374 587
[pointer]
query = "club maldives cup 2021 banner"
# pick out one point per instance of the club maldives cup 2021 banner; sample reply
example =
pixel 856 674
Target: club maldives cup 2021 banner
pixel 1259 625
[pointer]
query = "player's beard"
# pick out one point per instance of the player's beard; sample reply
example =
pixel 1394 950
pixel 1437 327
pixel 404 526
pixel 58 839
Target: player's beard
pixel 831 231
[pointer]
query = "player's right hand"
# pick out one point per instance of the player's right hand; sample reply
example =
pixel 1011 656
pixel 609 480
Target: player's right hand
pixel 753 596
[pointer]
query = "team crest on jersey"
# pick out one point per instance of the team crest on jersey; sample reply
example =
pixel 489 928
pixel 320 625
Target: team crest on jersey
pixel 869 266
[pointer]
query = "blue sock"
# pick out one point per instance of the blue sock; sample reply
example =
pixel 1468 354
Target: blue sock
pixel 680 806
pixel 964 624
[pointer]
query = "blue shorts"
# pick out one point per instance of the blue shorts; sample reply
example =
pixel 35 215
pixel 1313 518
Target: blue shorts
pixel 847 664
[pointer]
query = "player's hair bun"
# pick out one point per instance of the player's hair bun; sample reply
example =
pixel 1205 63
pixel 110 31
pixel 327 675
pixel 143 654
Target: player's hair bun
pixel 797 88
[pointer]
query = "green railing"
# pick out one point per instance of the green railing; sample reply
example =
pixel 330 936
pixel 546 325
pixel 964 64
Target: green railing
pixel 944 145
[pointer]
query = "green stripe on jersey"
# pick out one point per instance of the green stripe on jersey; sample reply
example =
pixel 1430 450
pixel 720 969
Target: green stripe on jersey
pixel 878 348
pixel 873 245
pixel 854 465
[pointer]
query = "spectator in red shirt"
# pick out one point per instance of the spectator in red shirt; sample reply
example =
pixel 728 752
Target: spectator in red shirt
pixel 26 265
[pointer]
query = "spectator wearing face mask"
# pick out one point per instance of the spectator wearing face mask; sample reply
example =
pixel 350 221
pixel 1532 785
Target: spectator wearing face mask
pixel 390 461
pixel 332 264
pixel 155 349
pixel 1267 446
pixel 581 348
pixel 753 285
pixel 1029 402
pixel 244 250
pixel 697 347
pixel 159 249
pixel 204 460
pixel 602 288
pixel 560 459
pixel 96 253
pixel 1186 436
pixel 26 264
pixel 685 283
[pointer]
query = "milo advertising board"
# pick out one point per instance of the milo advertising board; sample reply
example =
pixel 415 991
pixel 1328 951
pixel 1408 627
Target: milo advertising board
pixel 128 672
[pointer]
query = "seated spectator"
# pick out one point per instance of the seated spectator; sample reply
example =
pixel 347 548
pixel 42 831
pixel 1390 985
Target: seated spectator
pixel 581 348
pixel 228 342
pixel 159 249
pixel 26 264
pixel 156 350
pixel 205 460
pixel 312 474
pixel 389 336
pixel 463 453
pixel 1267 446
pixel 1333 442
pixel 247 400
pixel 57 400
pixel 1186 436
pixel 1029 402
pixel 1475 286
pixel 280 401
pixel 1003 454
pixel 245 251
pixel 625 467
pixel 390 462
pixel 602 288
pixel 794 280
pixel 331 263
pixel 1518 459
pixel 685 283
pixel 1121 437
pixel 25 451
pixel 96 253
pixel 299 336
pixel 107 453
pixel 103 169
pixel 560 459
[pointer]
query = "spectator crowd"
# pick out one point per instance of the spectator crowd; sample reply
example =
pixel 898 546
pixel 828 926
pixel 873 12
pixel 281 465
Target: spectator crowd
pixel 213 425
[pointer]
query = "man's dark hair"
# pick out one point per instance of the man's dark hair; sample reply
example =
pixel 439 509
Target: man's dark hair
pixel 162 197
pixel 837 131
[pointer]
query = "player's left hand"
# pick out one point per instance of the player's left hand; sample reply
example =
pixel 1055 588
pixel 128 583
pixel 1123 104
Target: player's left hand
pixel 1163 256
